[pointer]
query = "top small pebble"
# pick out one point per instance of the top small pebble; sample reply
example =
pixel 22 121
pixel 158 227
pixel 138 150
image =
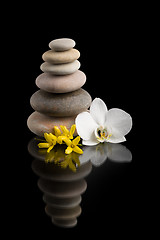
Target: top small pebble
pixel 62 44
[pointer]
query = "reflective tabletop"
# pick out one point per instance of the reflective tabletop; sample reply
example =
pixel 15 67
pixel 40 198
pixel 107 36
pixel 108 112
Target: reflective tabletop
pixel 63 179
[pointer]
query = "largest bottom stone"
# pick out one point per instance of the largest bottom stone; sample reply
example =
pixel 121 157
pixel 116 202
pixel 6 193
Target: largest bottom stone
pixel 39 123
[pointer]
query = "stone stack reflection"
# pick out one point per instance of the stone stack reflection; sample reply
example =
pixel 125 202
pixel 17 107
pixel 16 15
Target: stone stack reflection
pixel 62 188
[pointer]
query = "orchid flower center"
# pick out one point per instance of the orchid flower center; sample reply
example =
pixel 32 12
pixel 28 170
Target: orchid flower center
pixel 102 134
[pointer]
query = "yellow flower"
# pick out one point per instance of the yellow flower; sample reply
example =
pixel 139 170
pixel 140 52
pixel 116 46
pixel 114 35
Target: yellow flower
pixel 51 141
pixel 60 138
pixel 67 133
pixel 58 134
pixel 72 145
pixel 57 131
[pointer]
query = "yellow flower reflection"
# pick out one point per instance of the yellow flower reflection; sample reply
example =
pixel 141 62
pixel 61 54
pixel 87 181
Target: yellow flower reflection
pixel 58 156
pixel 71 161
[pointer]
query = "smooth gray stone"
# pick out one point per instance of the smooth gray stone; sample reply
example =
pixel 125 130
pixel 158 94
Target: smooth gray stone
pixel 62 44
pixel 61 84
pixel 54 57
pixel 39 123
pixel 61 105
pixel 60 69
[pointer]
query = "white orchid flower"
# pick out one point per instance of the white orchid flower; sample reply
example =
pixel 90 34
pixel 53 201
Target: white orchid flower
pixel 103 125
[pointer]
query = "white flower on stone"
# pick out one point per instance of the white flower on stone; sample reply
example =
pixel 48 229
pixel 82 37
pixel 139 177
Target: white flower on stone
pixel 103 125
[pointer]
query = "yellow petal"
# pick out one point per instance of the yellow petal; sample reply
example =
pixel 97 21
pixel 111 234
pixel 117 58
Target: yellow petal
pixel 76 140
pixel 77 150
pixel 50 157
pixel 43 145
pixel 64 130
pixel 63 164
pixel 72 130
pixel 72 166
pixel 67 141
pixel 68 158
pixel 75 157
pixel 47 137
pixel 53 138
pixel 57 131
pixel 50 148
pixel 78 162
pixel 68 150
pixel 61 138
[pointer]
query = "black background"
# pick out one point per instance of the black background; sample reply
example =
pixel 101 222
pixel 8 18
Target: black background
pixel 112 43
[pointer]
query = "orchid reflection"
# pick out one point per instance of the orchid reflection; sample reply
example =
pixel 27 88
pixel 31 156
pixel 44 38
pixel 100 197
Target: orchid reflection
pixel 100 153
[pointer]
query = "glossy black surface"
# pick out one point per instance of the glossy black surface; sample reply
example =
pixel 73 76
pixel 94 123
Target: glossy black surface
pixel 100 191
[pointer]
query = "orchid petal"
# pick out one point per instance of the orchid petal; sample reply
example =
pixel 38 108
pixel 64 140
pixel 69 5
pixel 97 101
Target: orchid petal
pixel 114 139
pixel 98 111
pixel 87 154
pixel 85 125
pixel 119 121
pixel 97 154
pixel 99 158
pixel 119 153
pixel 90 142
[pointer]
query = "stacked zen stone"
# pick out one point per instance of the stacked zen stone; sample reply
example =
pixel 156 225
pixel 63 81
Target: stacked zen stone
pixel 60 98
